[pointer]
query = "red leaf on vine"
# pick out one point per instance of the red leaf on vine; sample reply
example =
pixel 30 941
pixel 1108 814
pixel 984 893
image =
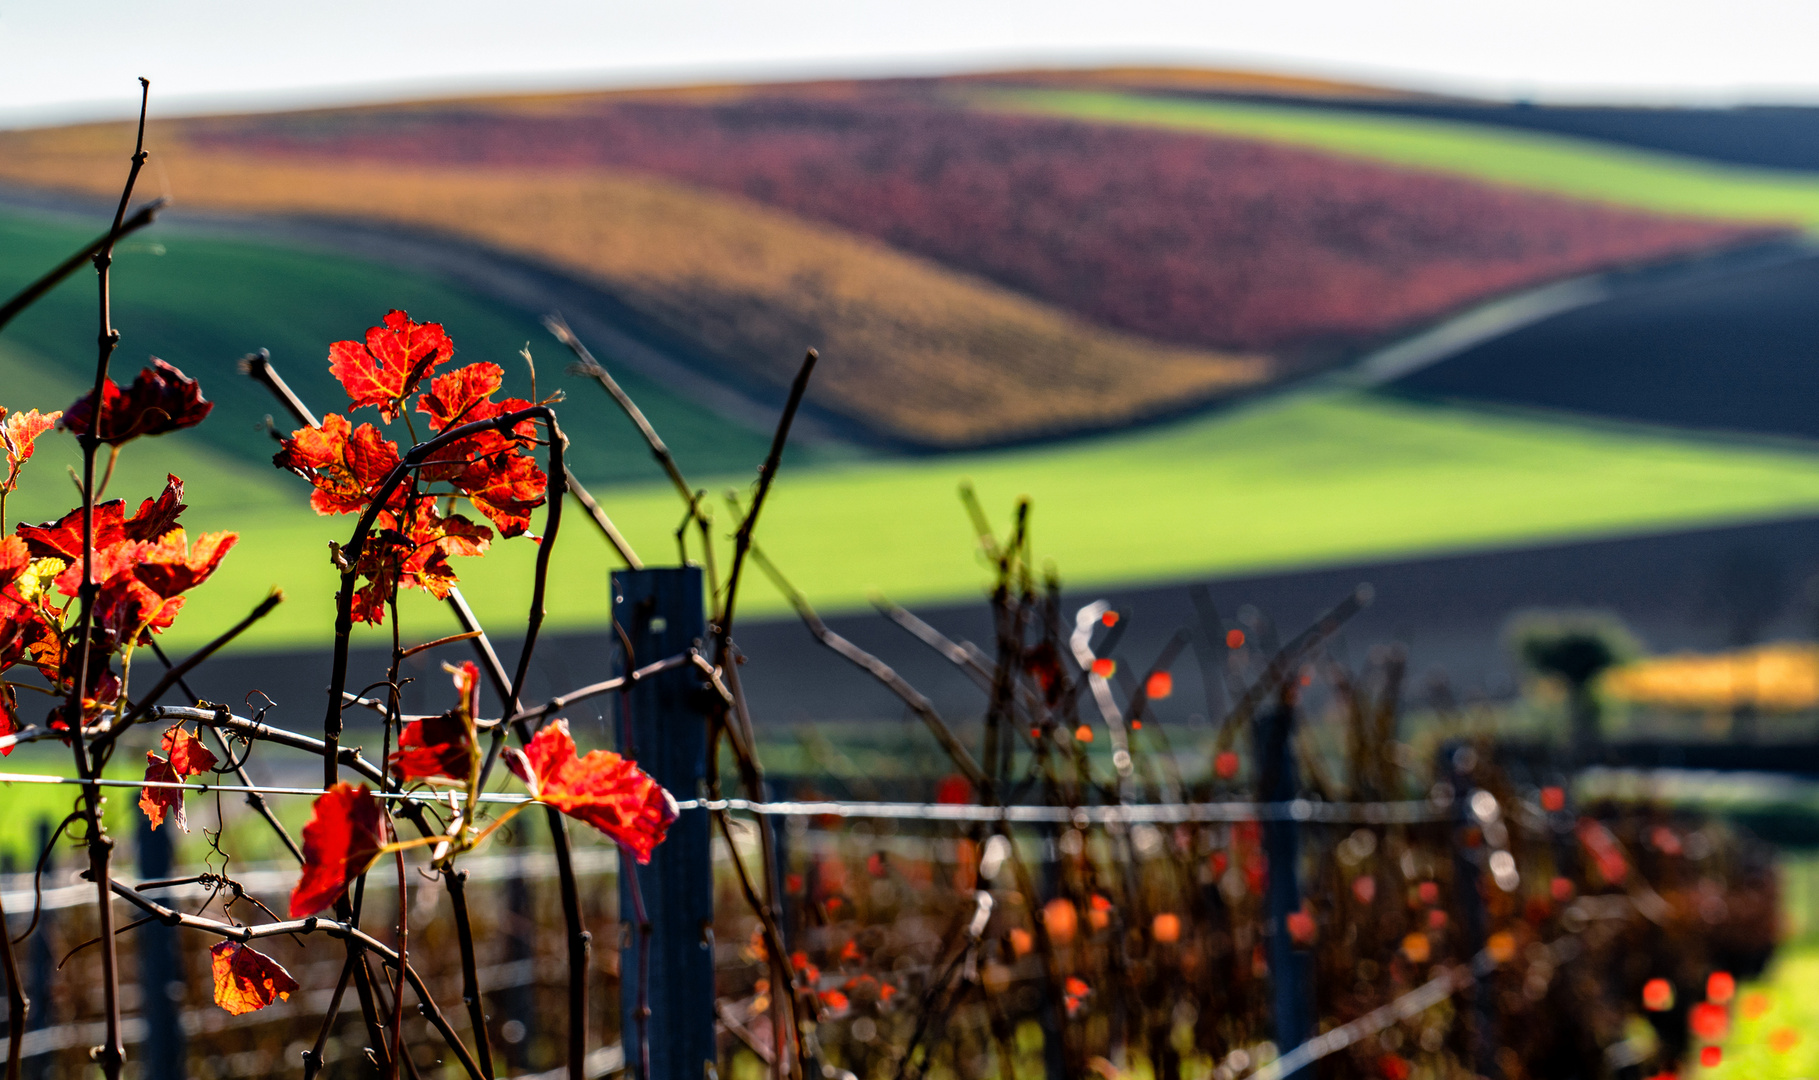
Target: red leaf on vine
pixel 461 395
pixel 162 399
pixel 386 368
pixel 62 538
pixel 157 516
pixel 442 746
pixel 505 489
pixel 173 565
pixel 344 464
pixel 19 434
pixel 158 802
pixel 344 836
pixel 186 753
pixel 607 791
pixel 15 556
pixel 9 716
pixel 246 979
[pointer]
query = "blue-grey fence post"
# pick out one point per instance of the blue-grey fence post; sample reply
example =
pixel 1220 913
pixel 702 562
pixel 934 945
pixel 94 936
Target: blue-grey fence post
pixel 662 725
pixel 161 982
pixel 1291 968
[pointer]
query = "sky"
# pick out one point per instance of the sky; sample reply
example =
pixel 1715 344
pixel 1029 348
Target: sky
pixel 78 59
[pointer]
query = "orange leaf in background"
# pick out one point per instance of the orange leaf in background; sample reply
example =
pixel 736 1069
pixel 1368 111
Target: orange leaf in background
pixel 1417 948
pixel 1711 1056
pixel 603 789
pixel 1061 920
pixel 1110 618
pixel 246 979
pixel 1781 1040
pixel 1708 1021
pixel 19 434
pixel 1077 987
pixel 1720 987
pixel 1553 799
pixel 1501 946
pixel 1104 666
pixel 1022 941
pixel 343 837
pixel 1166 928
pixel 1234 639
pixel 834 1000
pixel 1755 1005
pixel 343 463
pixel 1083 733
pixel 1225 764
pixel 162 399
pixel 1160 684
pixel 386 368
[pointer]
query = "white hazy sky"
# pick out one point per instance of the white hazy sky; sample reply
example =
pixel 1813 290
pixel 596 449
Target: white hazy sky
pixel 70 59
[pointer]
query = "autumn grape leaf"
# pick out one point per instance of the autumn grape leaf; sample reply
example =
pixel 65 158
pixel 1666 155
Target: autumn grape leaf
pixel 461 395
pixel 63 538
pixel 172 565
pixel 442 746
pixel 345 464
pixel 505 489
pixel 246 979
pixel 185 752
pixel 386 368
pixel 162 399
pixel 184 755
pixel 344 836
pixel 19 434
pixel 157 516
pixel 607 791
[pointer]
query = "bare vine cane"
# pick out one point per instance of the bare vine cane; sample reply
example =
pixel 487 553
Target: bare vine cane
pixel 731 717
pixel 34 292
pixel 112 1053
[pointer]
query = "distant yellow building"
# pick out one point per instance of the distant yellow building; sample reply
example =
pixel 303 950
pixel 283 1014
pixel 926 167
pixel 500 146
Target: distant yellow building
pixel 1782 677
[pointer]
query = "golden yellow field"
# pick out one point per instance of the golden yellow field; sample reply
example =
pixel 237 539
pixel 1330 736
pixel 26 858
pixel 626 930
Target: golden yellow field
pixel 916 351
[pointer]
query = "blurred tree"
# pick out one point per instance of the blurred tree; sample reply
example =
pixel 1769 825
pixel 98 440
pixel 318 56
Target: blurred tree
pixel 1574 647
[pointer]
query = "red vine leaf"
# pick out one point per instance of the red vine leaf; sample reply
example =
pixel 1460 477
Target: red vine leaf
pixel 505 489
pixel 442 746
pixel 344 836
pixel 158 802
pixel 19 434
pixel 187 755
pixel 173 565
pixel 603 789
pixel 156 516
pixel 345 464
pixel 63 538
pixel 246 979
pixel 162 399
pixel 386 368
pixel 461 395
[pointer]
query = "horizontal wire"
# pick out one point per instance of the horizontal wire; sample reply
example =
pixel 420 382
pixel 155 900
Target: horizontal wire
pixel 1295 810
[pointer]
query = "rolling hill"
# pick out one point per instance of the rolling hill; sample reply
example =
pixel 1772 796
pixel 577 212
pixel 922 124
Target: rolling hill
pixel 1029 316
pixel 973 275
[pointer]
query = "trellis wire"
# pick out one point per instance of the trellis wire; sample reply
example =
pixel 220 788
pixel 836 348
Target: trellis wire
pixel 1305 810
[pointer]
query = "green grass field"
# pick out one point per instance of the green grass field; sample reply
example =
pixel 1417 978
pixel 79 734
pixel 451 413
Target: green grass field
pixel 1562 165
pixel 1304 480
